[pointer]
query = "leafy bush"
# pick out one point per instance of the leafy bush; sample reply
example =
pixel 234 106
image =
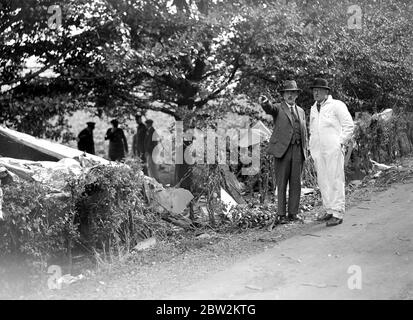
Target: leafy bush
pixel 105 210
pixel 252 216
pixel 382 141
pixel 35 225
pixel 113 206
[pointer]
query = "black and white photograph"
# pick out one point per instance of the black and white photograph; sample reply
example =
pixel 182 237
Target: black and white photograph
pixel 209 157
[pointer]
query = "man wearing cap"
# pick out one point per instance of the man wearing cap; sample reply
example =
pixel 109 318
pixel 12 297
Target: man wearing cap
pixel 150 144
pixel 288 144
pixel 118 145
pixel 85 139
pixel 331 127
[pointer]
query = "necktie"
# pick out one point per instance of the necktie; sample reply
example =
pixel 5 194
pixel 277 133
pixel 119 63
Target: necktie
pixel 293 113
pixel 318 106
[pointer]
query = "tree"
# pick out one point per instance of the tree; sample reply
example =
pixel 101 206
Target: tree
pixel 70 52
pixel 192 58
pixel 369 68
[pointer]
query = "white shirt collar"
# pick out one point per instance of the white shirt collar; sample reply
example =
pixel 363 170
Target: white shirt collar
pixel 329 98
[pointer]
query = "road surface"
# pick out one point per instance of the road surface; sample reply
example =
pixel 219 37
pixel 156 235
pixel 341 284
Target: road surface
pixel 369 256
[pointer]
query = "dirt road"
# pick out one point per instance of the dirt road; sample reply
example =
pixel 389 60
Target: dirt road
pixel 371 252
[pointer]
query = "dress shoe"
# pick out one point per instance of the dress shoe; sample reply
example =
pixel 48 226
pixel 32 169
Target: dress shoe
pixel 282 219
pixel 333 222
pixel 324 217
pixel 294 217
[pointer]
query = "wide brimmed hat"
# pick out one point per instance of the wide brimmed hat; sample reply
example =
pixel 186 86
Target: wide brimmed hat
pixel 289 85
pixel 91 123
pixel 320 83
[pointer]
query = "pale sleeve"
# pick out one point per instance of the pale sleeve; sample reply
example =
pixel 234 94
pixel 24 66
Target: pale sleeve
pixel 311 122
pixel 304 122
pixel 346 122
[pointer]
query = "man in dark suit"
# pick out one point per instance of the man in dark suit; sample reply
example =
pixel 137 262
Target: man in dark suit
pixel 288 144
pixel 85 139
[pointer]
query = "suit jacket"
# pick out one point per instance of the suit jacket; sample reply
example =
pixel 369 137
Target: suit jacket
pixel 283 128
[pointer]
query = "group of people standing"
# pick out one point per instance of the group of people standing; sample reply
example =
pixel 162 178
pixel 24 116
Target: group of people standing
pixel 331 128
pixel 144 141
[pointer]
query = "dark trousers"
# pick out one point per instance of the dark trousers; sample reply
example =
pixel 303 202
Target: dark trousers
pixel 288 171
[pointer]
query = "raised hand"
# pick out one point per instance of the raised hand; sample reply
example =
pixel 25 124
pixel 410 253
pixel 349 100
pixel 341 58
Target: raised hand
pixel 263 99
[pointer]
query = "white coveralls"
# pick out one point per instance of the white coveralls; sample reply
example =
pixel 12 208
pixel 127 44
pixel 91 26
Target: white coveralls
pixel 330 128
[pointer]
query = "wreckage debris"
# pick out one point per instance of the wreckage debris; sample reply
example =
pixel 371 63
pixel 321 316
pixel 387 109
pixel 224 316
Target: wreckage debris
pixel 1 204
pixel 228 201
pixel 173 200
pixel 380 166
pixel 6 177
pixel 51 164
pixel 20 145
pixel 145 244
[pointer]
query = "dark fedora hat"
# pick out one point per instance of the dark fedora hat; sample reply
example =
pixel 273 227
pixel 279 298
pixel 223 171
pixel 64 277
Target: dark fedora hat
pixel 289 85
pixel 91 123
pixel 320 83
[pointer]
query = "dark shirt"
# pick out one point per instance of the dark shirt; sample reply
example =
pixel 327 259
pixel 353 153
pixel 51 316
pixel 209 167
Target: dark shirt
pixel 118 144
pixel 85 142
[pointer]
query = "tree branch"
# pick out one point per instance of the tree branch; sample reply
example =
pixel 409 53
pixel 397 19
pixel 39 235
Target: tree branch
pixel 52 62
pixel 133 100
pixel 262 77
pixel 236 65
pixel 34 74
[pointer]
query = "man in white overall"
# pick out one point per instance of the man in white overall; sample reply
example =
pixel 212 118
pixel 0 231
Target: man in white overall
pixel 331 127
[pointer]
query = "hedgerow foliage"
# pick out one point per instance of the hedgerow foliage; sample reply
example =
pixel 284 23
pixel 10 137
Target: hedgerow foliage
pixel 35 225
pixel 381 140
pixel 104 210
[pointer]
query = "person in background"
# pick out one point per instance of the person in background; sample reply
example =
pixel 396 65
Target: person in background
pixel 138 144
pixel 288 144
pixel 85 139
pixel 150 144
pixel 118 145
pixel 331 127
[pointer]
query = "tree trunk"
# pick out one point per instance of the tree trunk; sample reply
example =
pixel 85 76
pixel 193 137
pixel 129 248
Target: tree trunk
pixel 183 170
